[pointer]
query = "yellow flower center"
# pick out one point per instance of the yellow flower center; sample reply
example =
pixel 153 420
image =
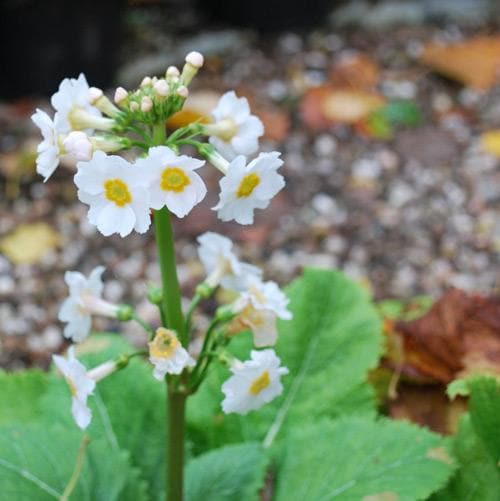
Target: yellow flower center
pixel 174 179
pixel 247 185
pixel 259 384
pixel 164 343
pixel 117 191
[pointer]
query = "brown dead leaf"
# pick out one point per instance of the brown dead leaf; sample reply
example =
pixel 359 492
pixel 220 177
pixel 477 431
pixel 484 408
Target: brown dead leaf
pixel 324 106
pixel 29 242
pixel 355 71
pixel 474 62
pixel 460 335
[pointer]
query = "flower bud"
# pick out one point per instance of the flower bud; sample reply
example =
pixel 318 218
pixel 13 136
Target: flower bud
pixel 94 94
pixel 78 145
pixel 120 95
pixel 155 295
pixel 195 59
pixel 146 104
pixel 134 106
pixel 146 81
pixel 172 71
pixel 101 371
pixel 183 91
pixel 161 87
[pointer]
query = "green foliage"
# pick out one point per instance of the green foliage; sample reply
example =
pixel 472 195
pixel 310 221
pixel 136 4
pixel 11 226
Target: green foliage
pixel 232 473
pixel 477 443
pixel 37 461
pixel 350 458
pixel 396 309
pixel 19 395
pixel 330 345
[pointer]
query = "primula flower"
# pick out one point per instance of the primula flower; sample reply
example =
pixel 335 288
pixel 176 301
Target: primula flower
pixel 73 96
pixel 254 383
pixel 84 300
pixel 172 181
pixel 245 188
pixel 220 263
pixel 167 354
pixel 236 130
pixel 49 150
pixel 116 193
pixel 257 307
pixel 78 145
pixel 81 386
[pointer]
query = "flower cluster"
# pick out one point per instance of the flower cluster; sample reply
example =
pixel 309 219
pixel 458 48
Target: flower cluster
pixel 124 194
pixel 120 193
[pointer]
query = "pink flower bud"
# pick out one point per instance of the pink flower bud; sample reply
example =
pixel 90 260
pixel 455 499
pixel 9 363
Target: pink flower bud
pixel 146 104
pixel 183 91
pixel 172 71
pixel 120 95
pixel 195 59
pixel 161 87
pixel 134 106
pixel 78 145
pixel 94 94
pixel 145 82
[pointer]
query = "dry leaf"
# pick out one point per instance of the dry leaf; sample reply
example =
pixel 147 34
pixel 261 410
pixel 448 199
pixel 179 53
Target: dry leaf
pixel 29 242
pixel 324 106
pixel 356 71
pixel 474 62
pixel 490 142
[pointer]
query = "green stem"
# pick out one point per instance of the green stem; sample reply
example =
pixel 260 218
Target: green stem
pixel 175 451
pixel 78 469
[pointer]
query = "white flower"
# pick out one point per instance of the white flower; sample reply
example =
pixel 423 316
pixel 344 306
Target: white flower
pixel 49 150
pixel 236 130
pixel 172 181
pixel 220 263
pixel 254 383
pixel 83 301
pixel 78 145
pixel 81 386
pixel 115 191
pixel 248 187
pixel 167 354
pixel 258 307
pixel 73 94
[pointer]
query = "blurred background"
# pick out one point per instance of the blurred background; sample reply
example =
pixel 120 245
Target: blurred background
pixel 387 114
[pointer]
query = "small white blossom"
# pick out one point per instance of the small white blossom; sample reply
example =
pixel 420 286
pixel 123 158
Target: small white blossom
pixel 49 150
pixel 116 193
pixel 84 300
pixel 254 383
pixel 167 354
pixel 235 131
pixel 73 94
pixel 258 307
pixel 245 188
pixel 81 386
pixel 172 181
pixel 221 264
pixel 78 145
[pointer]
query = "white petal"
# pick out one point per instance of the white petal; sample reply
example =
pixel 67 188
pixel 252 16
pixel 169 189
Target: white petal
pixel 81 413
pixel 113 219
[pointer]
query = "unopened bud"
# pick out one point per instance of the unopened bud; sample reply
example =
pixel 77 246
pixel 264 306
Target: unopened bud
pixel 183 91
pixel 134 106
pixel 146 104
pixel 146 81
pixel 172 71
pixel 195 59
pixel 120 95
pixel 124 313
pixel 204 290
pixel 155 295
pixel 78 145
pixel 161 87
pixel 94 94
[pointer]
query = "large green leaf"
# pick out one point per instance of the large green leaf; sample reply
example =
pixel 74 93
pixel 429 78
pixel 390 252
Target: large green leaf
pixel 37 462
pixel 477 443
pixel 332 342
pixel 232 473
pixel 352 458
pixel 20 395
pixel 128 409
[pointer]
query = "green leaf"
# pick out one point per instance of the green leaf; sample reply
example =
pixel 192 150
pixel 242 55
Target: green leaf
pixel 401 112
pixel 330 345
pixel 128 408
pixel 232 473
pixel 24 389
pixel 351 458
pixel 478 476
pixel 396 309
pixel 37 462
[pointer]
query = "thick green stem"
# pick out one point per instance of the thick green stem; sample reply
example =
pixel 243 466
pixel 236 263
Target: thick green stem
pixel 175 452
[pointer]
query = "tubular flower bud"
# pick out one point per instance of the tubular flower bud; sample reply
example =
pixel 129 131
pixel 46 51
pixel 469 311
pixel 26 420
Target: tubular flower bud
pixel 161 87
pixel 172 71
pixel 146 82
pixel 146 104
pixel 183 91
pixel 194 61
pixel 120 95
pixel 134 106
pixel 94 94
